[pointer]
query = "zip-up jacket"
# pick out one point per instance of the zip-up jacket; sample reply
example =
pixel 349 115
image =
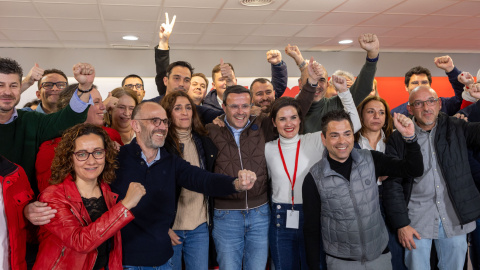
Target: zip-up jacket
pixel 16 194
pixel 71 239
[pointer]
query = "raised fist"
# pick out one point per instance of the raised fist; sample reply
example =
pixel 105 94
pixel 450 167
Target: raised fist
pixel 274 57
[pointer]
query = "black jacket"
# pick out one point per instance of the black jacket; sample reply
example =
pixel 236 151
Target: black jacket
pixel 452 138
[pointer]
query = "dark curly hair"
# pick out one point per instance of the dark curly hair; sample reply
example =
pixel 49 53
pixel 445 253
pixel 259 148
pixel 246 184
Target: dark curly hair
pixel 10 66
pixel 168 102
pixel 62 164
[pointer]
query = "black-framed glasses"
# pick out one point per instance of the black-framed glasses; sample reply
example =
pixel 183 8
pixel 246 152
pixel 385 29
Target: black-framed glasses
pixel 84 155
pixel 419 104
pixel 49 85
pixel 138 86
pixel 157 121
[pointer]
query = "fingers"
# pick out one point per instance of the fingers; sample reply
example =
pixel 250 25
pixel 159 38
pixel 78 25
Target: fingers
pixel 167 21
pixel 221 62
pixel 83 69
pixel 173 21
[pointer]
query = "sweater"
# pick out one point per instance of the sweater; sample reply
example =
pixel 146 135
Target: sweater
pixel 145 240
pixel 22 137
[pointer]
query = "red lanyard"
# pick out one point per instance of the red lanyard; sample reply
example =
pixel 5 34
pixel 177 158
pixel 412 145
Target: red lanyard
pixel 286 170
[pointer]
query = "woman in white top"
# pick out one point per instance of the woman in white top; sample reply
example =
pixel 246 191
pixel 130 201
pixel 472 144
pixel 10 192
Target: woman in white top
pixel 289 159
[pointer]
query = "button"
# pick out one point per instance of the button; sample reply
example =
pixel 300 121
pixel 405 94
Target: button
pixel 278 216
pixel 438 186
pixel 278 225
pixel 438 202
pixel 279 207
pixel 443 218
pixel 8 182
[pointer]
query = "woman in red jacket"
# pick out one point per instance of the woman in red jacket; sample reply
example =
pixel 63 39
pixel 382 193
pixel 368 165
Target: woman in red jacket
pixel 85 232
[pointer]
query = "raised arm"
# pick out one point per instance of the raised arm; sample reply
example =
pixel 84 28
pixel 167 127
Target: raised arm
pixel 295 53
pixel 162 53
pixel 34 75
pixel 347 100
pixel 364 82
pixel 452 104
pixel 279 72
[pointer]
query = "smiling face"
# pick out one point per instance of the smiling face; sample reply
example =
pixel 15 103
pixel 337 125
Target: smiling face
pixel 122 113
pixel 182 114
pixel 373 116
pixel 96 111
pixel 426 115
pixel 134 81
pixel 338 140
pixel 322 87
pixel 178 80
pixel 9 92
pixel 263 95
pixel 198 89
pixel 237 109
pixel 88 170
pixel 50 97
pixel 149 135
pixel 287 122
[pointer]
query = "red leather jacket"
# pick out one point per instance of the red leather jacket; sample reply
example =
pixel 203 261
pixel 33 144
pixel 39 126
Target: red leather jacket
pixel 16 194
pixel 70 240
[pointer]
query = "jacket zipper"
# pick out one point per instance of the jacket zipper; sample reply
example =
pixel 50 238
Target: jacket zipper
pixel 58 260
pixel 106 230
pixel 360 227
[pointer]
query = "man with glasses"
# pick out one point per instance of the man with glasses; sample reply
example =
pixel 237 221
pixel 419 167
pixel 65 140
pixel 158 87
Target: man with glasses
pixel 145 241
pixel 135 83
pixel 418 76
pixel 443 204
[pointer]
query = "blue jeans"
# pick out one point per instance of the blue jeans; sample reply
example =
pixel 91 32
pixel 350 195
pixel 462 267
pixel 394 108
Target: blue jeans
pixel 475 247
pixel 194 248
pixel 451 252
pixel 287 246
pixel 166 266
pixel 241 238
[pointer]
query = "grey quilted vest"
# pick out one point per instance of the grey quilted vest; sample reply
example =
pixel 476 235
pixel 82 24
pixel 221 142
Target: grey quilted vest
pixel 352 225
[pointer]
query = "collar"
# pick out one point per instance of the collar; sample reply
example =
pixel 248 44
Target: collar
pixel 234 130
pixel 289 142
pixel 39 108
pixel 13 117
pixel 419 130
pixel 220 101
pixel 157 157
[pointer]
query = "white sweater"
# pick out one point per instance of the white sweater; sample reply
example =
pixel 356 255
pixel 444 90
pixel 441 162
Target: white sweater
pixel 311 150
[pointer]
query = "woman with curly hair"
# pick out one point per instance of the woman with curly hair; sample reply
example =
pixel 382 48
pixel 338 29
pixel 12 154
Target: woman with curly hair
pixel 187 138
pixel 85 232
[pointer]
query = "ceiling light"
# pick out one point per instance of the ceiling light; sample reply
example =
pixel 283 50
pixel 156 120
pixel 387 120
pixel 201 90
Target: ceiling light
pixel 130 37
pixel 256 3
pixel 345 41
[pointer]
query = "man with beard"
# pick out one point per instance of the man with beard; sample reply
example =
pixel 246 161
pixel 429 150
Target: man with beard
pixel 145 241
pixel 442 204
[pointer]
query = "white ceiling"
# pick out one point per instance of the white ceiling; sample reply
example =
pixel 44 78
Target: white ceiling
pixel 402 25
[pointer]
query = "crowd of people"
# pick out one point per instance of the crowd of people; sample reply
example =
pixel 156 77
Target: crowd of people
pixel 239 176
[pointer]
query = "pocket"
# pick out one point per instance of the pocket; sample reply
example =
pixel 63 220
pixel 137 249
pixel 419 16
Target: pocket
pixel 219 214
pixel 21 200
pixel 264 210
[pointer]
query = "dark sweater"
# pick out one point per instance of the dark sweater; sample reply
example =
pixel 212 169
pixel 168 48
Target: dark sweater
pixel 145 240
pixel 21 138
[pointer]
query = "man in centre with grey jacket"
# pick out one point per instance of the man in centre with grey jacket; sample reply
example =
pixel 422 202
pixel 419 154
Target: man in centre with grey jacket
pixel 340 196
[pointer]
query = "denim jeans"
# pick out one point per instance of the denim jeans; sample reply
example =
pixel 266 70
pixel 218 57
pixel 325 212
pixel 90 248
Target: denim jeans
pixel 451 252
pixel 166 266
pixel 241 238
pixel 287 246
pixel 194 248
pixel 475 247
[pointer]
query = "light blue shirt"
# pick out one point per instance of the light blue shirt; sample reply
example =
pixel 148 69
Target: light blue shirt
pixel 153 161
pixel 236 132
pixel 76 104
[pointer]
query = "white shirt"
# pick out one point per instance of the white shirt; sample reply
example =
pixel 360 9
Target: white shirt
pixel 380 147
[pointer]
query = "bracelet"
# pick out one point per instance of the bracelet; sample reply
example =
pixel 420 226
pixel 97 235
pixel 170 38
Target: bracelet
pixel 410 139
pixel 302 65
pixel 85 91
pixel 312 85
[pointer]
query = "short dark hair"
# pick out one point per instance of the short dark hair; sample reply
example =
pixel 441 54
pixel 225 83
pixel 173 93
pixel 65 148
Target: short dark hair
pixel 10 66
pixel 335 115
pixel 51 71
pixel 201 75
pixel 235 89
pixel 179 64
pixel 284 102
pixel 31 103
pixel 217 69
pixel 131 76
pixel 417 71
pixel 259 80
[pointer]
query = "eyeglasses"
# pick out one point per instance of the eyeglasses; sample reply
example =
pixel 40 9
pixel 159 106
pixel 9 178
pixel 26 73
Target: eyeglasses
pixel 84 155
pixel 236 106
pixel 419 104
pixel 49 85
pixel 157 121
pixel 137 86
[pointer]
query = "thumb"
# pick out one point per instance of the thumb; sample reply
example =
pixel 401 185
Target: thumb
pixel 36 65
pixel 221 61
pixel 109 94
pixel 311 61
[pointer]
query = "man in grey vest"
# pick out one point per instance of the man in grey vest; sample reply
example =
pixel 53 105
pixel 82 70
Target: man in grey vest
pixel 340 196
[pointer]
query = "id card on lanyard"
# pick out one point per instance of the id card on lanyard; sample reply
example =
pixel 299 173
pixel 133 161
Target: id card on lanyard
pixel 293 219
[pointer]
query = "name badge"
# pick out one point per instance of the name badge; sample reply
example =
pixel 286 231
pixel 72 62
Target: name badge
pixel 293 219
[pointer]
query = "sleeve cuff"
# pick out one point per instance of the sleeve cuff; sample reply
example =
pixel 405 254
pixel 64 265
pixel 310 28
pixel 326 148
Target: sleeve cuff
pixel 77 104
pixel 374 59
